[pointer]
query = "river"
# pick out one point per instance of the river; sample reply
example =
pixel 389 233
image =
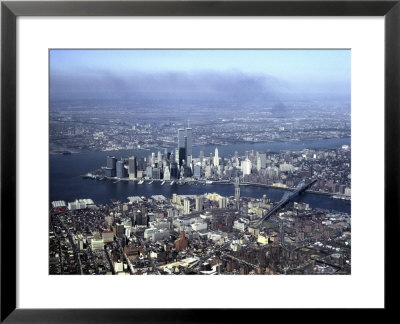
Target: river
pixel 66 182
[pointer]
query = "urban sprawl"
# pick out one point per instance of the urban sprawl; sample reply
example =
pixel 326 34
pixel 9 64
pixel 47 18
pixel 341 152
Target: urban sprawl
pixel 209 234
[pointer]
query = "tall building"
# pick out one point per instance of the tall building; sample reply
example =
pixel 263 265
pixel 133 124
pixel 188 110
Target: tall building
pixel 132 168
pixel 182 156
pixel 181 146
pixel 120 167
pixel 149 172
pixel 159 158
pixel 197 171
pixel 216 157
pixel 187 172
pixel 185 145
pixel 246 167
pixel 111 166
pixel 186 206
pixel 261 161
pixel 222 202
pixel 156 174
pixel 167 174
pixel 141 164
pixel 199 203
pixel 111 162
pixel 189 145
pixel 174 170
pixel 181 138
pixel 237 193
pixel 121 171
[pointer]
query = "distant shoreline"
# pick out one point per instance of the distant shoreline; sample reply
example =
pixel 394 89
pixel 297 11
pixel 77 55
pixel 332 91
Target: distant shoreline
pixel 203 182
pixel 209 145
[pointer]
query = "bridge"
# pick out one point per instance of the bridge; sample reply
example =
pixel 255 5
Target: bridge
pixel 301 187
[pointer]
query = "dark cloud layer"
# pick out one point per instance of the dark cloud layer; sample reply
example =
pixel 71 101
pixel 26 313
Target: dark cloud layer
pixel 205 85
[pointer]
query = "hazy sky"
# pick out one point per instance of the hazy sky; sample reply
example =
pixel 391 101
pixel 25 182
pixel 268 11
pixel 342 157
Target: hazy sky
pixel 130 73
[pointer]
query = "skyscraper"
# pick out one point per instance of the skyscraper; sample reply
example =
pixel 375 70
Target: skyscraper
pixel 120 169
pixel 263 157
pixel 156 174
pixel 186 206
pixel 258 163
pixel 182 156
pixel 199 203
pixel 181 146
pixel 132 168
pixel 222 202
pixel 216 157
pixel 246 167
pixel 189 145
pixel 174 170
pixel 111 162
pixel 111 166
pixel 181 138
pixel 197 171
pixel 167 174
pixel 159 158
pixel 185 145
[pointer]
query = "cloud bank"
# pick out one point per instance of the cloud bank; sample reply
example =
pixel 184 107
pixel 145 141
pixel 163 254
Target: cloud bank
pixel 203 85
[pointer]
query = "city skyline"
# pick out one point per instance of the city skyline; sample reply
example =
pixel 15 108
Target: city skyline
pixel 200 162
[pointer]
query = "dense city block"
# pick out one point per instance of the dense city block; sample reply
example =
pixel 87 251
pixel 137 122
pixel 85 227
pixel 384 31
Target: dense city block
pixel 205 234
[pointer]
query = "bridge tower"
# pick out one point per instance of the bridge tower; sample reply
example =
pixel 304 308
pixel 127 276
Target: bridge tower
pixel 237 193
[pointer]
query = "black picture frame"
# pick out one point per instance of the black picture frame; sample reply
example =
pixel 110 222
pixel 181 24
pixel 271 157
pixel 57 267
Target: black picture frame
pixel 10 10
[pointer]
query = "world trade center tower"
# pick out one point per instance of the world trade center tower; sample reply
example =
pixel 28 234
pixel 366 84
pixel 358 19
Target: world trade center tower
pixel 188 146
pixel 184 146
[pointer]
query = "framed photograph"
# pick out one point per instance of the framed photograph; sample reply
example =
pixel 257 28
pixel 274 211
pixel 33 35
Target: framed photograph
pixel 179 156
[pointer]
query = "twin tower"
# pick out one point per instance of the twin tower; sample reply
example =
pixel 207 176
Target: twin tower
pixel 185 144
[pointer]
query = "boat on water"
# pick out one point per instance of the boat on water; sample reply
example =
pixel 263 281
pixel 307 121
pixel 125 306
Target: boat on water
pixel 162 182
pixel 140 182
pixel 150 182
pixel 209 182
pixel 172 182
pixel 117 181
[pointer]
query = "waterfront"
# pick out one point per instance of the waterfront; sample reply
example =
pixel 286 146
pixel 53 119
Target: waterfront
pixel 66 182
